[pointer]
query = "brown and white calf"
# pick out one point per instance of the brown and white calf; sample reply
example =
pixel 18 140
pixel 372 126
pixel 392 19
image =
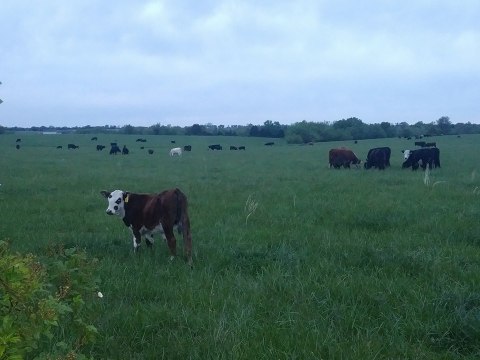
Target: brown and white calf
pixel 147 214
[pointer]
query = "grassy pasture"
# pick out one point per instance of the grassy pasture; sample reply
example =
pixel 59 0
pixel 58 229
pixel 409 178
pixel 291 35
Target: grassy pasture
pixel 342 264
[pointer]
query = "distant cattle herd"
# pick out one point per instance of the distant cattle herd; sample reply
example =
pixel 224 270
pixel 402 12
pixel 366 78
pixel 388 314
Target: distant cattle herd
pixel 428 155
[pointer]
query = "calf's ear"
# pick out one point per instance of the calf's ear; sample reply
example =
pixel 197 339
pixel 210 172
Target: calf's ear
pixel 105 194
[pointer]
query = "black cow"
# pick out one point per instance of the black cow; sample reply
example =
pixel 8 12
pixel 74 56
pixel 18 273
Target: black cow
pixel 59 147
pixel 241 148
pixel 431 144
pixel 172 141
pixel 378 158
pixel 150 151
pixel 420 143
pixel 269 143
pixel 72 146
pixel 215 147
pixel 427 156
pixel 233 148
pixel 94 138
pixel 125 150
pixel 187 148
pixel 115 149
pixel 17 147
pixel 18 140
pixel 100 147
pixel 141 140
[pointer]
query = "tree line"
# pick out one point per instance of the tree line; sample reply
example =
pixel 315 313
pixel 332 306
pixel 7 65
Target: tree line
pixel 298 133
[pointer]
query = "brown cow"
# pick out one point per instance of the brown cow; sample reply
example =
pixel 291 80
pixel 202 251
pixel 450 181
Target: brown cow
pixel 147 214
pixel 342 157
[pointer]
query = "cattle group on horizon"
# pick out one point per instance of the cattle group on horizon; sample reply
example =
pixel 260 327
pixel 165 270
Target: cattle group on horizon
pixel 428 155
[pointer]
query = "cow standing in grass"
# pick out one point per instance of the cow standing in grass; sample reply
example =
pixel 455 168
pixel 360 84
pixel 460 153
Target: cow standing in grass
pixel 176 152
pixel 378 158
pixel 426 157
pixel 342 157
pixel 147 214
pixel 114 150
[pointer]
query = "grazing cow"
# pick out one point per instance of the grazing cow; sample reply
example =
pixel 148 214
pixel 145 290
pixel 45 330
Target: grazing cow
pixel 150 151
pixel 430 144
pixel 147 214
pixel 233 148
pixel 59 147
pixel 94 138
pixel 72 146
pixel 420 143
pixel 173 141
pixel 141 140
pixel 18 140
pixel 100 147
pixel 17 147
pixel 427 156
pixel 215 147
pixel 187 148
pixel 342 157
pixel 114 150
pixel 241 148
pixel 176 152
pixel 113 144
pixel 125 150
pixel 378 158
pixel 269 143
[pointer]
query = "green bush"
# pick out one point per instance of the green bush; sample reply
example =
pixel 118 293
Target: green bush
pixel 44 304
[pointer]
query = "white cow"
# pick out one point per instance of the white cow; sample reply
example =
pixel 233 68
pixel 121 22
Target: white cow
pixel 176 151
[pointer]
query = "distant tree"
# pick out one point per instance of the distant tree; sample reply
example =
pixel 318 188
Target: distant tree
pixel 128 129
pixel 300 133
pixel 2 129
pixel 466 128
pixel 272 129
pixel 444 125
pixel 432 129
pixel 156 129
pixel 254 131
pixel 388 129
pixel 346 123
pixel 403 129
pixel 195 129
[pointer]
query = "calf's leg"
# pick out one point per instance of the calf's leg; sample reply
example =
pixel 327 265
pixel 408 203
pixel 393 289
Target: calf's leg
pixel 171 241
pixel 137 239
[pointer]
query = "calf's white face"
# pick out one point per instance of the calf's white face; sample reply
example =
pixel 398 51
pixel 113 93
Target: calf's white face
pixel 116 204
pixel 406 154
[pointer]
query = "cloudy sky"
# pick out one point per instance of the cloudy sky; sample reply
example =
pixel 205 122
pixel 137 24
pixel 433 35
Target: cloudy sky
pixel 180 62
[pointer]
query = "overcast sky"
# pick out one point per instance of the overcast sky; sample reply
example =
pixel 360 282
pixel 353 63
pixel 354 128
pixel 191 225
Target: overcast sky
pixel 180 62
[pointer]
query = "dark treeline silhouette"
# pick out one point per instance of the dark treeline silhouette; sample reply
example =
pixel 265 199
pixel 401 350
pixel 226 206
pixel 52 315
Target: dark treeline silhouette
pixel 298 133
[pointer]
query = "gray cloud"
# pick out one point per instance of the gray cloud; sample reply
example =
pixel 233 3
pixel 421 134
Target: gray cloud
pixel 230 62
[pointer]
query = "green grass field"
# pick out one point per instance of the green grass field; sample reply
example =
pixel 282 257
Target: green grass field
pixel 332 264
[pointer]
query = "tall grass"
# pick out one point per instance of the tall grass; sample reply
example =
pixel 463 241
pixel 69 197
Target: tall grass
pixel 291 259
